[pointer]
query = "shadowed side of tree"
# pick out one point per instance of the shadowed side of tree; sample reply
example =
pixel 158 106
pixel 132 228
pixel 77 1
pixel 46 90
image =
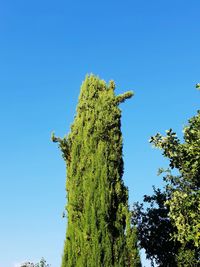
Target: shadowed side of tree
pixel 155 229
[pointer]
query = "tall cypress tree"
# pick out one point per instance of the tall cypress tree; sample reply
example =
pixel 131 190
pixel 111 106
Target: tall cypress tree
pixel 99 231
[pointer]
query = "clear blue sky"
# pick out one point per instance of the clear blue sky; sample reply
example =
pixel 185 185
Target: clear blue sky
pixel 46 49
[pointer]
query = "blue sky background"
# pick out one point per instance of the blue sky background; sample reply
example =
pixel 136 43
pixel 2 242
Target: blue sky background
pixel 46 49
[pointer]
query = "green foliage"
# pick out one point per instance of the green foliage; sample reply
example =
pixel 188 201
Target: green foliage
pixel 169 230
pixel 97 199
pixel 133 257
pixel 155 229
pixel 198 85
pixel 42 263
pixel 184 203
pixel 187 258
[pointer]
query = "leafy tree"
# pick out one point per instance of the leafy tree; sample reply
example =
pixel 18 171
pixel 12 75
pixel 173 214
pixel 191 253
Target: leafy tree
pixel 99 231
pixel 169 230
pixel 155 229
pixel 184 204
pixel 42 263
pixel 185 201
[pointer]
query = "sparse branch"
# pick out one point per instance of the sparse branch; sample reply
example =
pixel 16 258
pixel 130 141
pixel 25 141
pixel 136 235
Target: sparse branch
pixel 55 139
pixel 198 86
pixel 122 97
pixel 63 144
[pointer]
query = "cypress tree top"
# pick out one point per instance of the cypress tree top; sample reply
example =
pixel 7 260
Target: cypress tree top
pixel 97 200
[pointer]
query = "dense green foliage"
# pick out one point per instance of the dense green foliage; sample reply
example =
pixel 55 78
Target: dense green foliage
pixel 185 201
pixel 99 232
pixel 184 188
pixel 155 229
